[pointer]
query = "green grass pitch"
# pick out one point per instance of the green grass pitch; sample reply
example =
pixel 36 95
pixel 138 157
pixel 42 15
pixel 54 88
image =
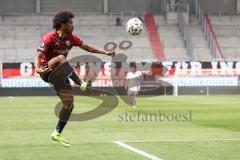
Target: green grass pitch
pixel 27 122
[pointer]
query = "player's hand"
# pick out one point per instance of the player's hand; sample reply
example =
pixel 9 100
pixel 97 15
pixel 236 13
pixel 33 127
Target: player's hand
pixel 110 53
pixel 43 70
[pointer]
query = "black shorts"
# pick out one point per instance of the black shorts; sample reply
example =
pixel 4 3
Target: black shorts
pixel 45 77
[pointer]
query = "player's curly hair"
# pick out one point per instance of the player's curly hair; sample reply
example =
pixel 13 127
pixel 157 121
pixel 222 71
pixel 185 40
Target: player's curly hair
pixel 133 65
pixel 61 18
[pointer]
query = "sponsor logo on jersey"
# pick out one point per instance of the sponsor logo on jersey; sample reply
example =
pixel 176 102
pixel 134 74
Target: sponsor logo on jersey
pixel 42 45
pixel 68 43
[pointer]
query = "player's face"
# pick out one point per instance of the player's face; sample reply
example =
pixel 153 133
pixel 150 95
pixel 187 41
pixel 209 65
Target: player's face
pixel 133 69
pixel 68 26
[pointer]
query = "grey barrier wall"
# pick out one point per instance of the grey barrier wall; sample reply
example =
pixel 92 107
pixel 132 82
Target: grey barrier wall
pixel 219 6
pixel 73 5
pixel 116 6
pixel 218 90
pixel 154 6
pixel 26 92
pixel 167 90
pixel 192 91
pixel 104 91
pixel 134 6
pixel 113 6
pixel 93 6
pixel 17 6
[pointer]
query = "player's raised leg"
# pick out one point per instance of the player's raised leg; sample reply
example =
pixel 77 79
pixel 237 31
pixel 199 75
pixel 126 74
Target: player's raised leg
pixel 59 60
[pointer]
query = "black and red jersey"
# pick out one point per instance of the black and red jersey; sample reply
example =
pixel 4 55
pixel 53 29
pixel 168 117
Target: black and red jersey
pixel 53 45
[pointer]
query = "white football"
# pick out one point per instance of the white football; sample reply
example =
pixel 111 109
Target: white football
pixel 134 26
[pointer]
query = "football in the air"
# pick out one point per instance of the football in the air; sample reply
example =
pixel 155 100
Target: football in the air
pixel 134 26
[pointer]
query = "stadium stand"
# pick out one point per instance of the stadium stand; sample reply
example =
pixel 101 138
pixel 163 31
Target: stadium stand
pixel 171 38
pixel 21 35
pixel 201 50
pixel 154 37
pixel 228 33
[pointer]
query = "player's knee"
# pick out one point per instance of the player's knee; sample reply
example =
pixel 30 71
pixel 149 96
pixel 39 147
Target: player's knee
pixel 61 58
pixel 68 104
pixel 68 107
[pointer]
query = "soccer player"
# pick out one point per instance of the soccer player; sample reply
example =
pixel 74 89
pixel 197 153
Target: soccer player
pixel 133 82
pixel 51 54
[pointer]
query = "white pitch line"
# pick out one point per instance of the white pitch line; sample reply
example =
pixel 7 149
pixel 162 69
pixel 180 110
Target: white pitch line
pixel 145 154
pixel 182 140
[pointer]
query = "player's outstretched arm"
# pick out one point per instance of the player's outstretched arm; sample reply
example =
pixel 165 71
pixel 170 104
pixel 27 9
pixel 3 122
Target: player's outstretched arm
pixel 145 73
pixel 93 49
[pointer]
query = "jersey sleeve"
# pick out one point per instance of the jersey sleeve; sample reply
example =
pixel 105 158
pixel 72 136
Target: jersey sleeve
pixel 76 41
pixel 45 45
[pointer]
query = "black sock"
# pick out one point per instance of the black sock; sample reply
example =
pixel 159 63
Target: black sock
pixel 61 124
pixel 75 78
pixel 63 118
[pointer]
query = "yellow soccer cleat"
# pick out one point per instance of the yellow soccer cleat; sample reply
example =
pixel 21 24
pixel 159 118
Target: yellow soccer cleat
pixel 86 87
pixel 58 137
